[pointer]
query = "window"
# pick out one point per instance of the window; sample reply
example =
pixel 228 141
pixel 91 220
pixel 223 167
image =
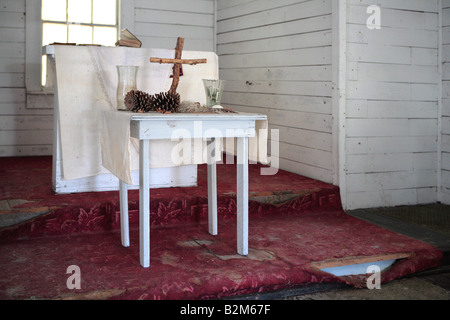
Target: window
pixel 79 22
pixel 38 96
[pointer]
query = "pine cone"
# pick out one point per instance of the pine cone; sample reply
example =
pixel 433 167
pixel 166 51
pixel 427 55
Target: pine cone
pixel 138 101
pixel 166 102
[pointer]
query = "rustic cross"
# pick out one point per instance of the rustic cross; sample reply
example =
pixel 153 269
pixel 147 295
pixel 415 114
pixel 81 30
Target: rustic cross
pixel 177 62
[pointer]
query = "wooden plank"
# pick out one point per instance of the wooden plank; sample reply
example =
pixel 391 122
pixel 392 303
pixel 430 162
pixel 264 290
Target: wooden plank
pixel 391 109
pixel 287 73
pixel 279 102
pixel 372 145
pixel 242 195
pixel 346 261
pixel 304 120
pixel 13 5
pixel 369 182
pixel 297 57
pixel 12 19
pixel 124 219
pixel 25 150
pixel 212 186
pixel 16 35
pixel 12 65
pixel 376 163
pixel 174 17
pixel 197 6
pixel 393 36
pixel 394 18
pixel 33 122
pixel 306 170
pixel 26 137
pixel 144 203
pixel 410 5
pixel 305 138
pixel 305 88
pixel 168 43
pixel 12 50
pixel 281 14
pixel 12 80
pixel 232 8
pixel 287 28
pixel 288 42
pixel 310 156
pixel 371 53
pixel 160 30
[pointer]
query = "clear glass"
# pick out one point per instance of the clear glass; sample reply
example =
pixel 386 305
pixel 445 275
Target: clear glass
pixel 54 10
pixel 54 32
pixel 213 90
pixel 104 12
pixel 127 82
pixel 106 36
pixel 80 34
pixel 80 11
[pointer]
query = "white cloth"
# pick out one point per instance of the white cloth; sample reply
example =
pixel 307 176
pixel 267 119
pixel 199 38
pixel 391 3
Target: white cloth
pixel 95 142
pixel 86 83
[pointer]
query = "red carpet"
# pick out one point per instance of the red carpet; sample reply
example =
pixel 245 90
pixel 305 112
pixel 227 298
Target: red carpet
pixel 285 238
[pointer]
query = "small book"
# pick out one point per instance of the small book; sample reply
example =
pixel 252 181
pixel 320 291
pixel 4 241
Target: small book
pixel 127 39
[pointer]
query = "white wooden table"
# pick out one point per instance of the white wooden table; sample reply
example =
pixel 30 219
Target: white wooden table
pixel 151 126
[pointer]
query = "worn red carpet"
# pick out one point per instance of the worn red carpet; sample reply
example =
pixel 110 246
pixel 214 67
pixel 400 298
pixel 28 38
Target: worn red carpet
pixel 295 222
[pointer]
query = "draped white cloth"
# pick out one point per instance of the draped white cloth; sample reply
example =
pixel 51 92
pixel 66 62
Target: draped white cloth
pixel 95 142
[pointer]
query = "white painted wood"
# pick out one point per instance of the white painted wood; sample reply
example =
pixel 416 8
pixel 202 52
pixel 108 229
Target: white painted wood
pixel 235 125
pixel 339 96
pixel 277 59
pixel 212 187
pixel 144 203
pixel 242 195
pixel 159 23
pixel 124 220
pixel 183 176
pixel 392 105
pixel 444 160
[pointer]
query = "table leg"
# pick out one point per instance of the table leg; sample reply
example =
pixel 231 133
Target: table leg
pixel 242 195
pixel 124 221
pixel 144 202
pixel 212 187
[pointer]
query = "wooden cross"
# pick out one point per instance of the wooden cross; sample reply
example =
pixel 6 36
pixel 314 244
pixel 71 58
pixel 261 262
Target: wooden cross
pixel 177 62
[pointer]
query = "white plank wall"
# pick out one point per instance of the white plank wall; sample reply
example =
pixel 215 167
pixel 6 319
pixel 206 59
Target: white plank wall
pixel 445 159
pixel 276 58
pixel 23 131
pixel 392 104
pixel 158 23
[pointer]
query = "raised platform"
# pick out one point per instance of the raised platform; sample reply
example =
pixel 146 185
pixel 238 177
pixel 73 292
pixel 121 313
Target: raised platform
pixel 296 224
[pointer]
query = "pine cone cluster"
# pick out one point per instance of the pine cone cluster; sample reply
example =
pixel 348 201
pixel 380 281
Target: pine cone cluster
pixel 164 102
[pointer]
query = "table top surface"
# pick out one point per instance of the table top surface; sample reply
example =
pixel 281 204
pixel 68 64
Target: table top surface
pixel 157 116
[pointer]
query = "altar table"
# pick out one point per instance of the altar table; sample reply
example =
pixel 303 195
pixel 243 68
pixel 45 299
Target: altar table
pixel 156 126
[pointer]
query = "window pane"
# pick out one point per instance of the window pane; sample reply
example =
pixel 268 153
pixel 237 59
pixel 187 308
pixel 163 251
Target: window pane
pixel 105 36
pixel 54 10
pixel 104 12
pixel 79 11
pixel 80 34
pixel 53 32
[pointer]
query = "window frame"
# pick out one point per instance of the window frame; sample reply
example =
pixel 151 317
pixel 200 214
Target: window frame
pixel 34 50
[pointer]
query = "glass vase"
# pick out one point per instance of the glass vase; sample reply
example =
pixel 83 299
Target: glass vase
pixel 127 82
pixel 213 90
